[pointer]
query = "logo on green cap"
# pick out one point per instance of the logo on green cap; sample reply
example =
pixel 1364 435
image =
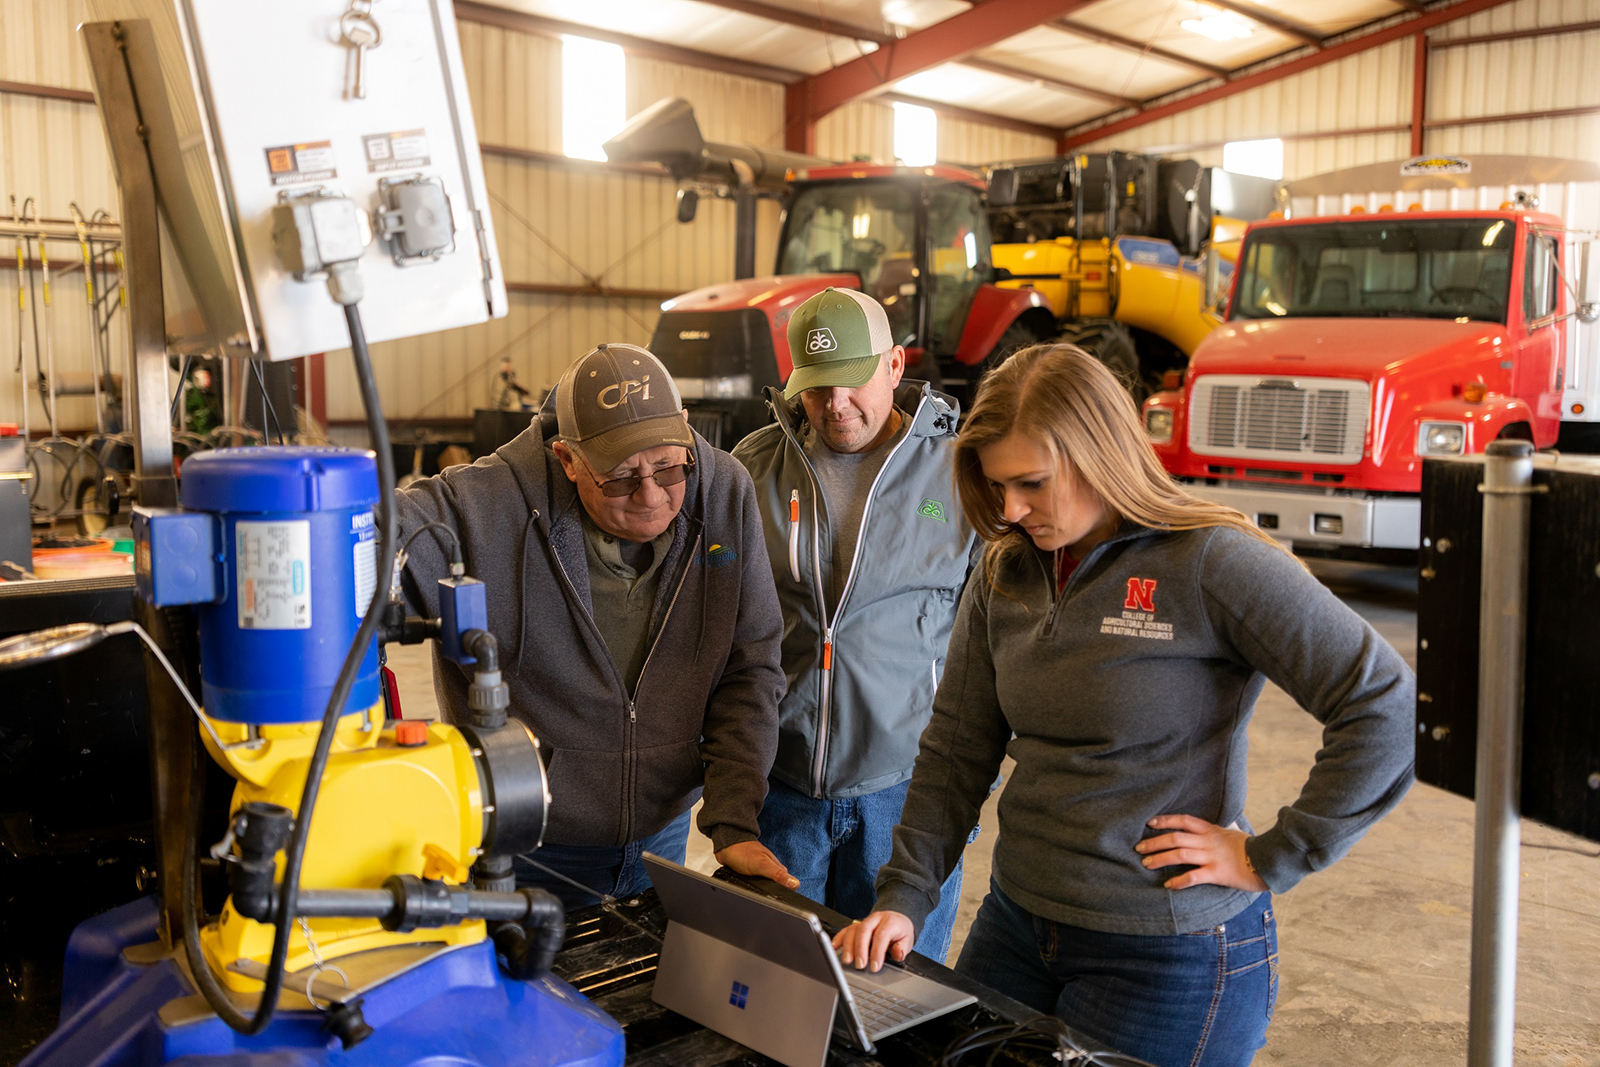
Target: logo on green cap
pixel 820 340
pixel 932 509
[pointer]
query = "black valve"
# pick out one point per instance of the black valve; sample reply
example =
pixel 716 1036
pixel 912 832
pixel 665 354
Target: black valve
pixel 346 1022
pixel 260 830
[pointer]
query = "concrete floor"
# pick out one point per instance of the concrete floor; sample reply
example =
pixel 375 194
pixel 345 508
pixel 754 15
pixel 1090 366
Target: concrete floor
pixel 1375 950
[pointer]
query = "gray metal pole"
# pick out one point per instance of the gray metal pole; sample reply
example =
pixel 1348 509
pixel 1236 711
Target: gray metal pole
pixel 1502 632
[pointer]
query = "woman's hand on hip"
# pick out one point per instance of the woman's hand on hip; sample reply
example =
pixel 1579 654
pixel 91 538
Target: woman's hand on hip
pixel 865 942
pixel 1215 852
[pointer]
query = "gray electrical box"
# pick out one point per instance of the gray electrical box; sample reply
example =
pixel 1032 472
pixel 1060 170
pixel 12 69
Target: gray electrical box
pixel 261 119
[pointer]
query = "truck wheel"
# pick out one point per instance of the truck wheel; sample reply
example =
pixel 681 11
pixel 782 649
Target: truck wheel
pixel 1112 344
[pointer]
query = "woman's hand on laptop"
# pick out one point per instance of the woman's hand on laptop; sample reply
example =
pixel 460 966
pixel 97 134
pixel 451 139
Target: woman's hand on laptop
pixel 865 942
pixel 756 860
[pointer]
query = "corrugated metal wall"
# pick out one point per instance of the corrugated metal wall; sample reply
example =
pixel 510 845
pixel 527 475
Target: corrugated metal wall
pixel 53 151
pixel 1544 74
pixel 1374 88
pixel 864 128
pixel 972 143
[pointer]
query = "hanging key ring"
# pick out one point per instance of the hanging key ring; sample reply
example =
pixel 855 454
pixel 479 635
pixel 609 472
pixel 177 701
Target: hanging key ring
pixel 354 16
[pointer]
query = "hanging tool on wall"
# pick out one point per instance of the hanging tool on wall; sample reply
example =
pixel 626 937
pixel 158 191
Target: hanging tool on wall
pixel 97 354
pixel 33 312
pixel 49 330
pixel 22 307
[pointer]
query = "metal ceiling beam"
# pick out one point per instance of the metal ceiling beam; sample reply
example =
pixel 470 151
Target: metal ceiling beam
pixel 1410 5
pixel 1037 129
pixel 1303 34
pixel 487 15
pixel 1351 44
pixel 790 17
pixel 955 38
pixel 1091 33
pixel 1513 35
pixel 1008 71
pixel 1419 92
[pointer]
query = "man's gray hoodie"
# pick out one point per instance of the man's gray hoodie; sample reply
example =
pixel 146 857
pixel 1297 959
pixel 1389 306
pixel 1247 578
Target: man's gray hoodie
pixel 1127 697
pixel 705 709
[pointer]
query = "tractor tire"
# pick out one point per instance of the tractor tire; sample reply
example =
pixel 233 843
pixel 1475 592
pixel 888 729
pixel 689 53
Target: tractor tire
pixel 1016 337
pixel 1112 344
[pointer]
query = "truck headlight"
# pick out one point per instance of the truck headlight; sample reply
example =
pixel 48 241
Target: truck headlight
pixel 1158 424
pixel 1442 439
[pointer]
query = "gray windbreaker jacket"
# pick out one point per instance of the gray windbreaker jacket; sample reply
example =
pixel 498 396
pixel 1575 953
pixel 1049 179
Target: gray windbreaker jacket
pixel 622 765
pixel 861 684
pixel 1127 697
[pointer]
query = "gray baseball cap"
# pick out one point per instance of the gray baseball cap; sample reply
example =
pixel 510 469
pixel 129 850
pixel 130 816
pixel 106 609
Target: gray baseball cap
pixel 616 401
pixel 836 339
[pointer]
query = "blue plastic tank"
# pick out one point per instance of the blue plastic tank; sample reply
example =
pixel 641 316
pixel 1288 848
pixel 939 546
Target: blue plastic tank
pixel 297 547
pixel 458 1009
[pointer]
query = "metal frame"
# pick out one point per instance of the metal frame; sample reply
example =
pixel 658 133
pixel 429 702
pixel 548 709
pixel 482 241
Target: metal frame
pixel 173 746
pixel 1497 845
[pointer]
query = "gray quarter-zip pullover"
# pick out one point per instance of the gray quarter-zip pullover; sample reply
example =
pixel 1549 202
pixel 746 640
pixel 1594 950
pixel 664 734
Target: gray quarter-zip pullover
pixel 1127 696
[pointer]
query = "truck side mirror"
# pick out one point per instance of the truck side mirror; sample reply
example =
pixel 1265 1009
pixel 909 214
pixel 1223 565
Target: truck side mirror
pixel 688 204
pixel 1002 187
pixel 1214 293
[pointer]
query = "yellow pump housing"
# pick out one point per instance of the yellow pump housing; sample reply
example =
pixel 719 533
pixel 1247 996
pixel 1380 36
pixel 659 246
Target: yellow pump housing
pixel 384 808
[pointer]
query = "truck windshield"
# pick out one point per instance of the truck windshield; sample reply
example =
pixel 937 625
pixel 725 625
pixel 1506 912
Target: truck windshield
pixel 868 228
pixel 1383 266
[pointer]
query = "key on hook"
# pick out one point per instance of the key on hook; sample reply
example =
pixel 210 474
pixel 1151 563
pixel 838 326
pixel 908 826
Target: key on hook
pixel 360 31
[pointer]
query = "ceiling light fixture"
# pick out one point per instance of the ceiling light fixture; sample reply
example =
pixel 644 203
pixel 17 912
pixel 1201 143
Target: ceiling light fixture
pixel 1218 27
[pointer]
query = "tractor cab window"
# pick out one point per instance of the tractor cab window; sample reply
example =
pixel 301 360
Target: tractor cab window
pixel 958 262
pixel 864 228
pixel 1382 267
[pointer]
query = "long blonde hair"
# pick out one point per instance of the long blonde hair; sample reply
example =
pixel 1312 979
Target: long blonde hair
pixel 1070 404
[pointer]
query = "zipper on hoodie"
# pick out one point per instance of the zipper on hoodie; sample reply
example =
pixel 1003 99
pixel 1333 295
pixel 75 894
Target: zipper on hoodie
pixel 616 672
pixel 794 534
pixel 830 623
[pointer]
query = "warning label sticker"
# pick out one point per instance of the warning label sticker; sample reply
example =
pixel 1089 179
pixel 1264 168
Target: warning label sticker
pixel 274 574
pixel 399 150
pixel 366 559
pixel 310 162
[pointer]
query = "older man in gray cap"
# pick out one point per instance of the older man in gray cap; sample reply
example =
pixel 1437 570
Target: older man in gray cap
pixel 639 632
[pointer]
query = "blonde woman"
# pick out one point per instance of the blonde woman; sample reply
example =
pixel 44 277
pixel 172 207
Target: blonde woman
pixel 1114 645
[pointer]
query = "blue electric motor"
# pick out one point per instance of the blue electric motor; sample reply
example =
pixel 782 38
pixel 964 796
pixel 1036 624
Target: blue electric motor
pixel 277 547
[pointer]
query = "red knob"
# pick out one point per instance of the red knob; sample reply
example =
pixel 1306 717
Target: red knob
pixel 409 733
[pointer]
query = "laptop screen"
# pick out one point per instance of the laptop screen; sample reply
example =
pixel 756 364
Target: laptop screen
pixel 768 928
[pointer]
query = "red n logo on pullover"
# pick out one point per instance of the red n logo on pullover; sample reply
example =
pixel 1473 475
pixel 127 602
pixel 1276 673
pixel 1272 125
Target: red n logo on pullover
pixel 1141 594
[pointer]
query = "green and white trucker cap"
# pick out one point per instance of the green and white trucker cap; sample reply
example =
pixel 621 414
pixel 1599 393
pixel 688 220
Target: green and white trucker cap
pixel 836 340
pixel 616 401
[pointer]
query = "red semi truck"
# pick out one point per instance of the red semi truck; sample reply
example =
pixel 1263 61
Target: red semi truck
pixel 1397 312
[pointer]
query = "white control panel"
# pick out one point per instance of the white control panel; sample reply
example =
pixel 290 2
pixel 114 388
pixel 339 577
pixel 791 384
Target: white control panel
pixel 293 108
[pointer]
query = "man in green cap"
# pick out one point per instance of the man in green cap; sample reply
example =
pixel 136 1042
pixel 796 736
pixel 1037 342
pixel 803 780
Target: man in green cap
pixel 869 552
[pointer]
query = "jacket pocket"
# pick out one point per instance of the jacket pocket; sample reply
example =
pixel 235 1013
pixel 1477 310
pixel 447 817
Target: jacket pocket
pixel 584 789
pixel 667 779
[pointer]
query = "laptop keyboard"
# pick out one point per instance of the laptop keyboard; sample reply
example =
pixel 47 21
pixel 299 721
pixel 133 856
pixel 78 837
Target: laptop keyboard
pixel 880 1009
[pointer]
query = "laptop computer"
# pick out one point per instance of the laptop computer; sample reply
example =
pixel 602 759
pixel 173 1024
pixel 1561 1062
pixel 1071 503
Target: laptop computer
pixel 765 973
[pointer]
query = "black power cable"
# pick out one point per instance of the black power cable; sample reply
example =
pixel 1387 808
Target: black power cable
pixel 294 855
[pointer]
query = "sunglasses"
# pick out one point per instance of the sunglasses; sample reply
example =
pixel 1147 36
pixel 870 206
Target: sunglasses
pixel 664 477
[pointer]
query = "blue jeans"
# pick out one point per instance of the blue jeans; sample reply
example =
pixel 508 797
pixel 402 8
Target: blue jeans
pixel 1180 1000
pixel 608 870
pixel 835 848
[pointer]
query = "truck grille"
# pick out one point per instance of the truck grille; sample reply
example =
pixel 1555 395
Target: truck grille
pixel 1321 419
